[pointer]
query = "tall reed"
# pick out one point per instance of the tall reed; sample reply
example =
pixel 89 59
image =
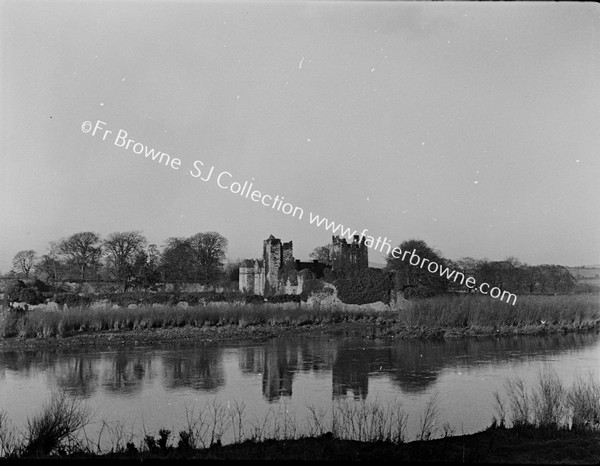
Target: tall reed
pixel 550 404
pixel 65 322
pixel 482 311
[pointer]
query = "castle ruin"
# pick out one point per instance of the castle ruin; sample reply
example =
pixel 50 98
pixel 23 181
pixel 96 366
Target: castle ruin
pixel 347 258
pixel 278 272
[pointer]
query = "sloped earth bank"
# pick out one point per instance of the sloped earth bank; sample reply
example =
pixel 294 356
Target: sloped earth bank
pixel 495 445
pixel 371 330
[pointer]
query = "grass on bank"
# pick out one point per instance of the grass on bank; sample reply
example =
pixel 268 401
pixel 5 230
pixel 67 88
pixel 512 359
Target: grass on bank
pixel 481 311
pixel 477 313
pixel 548 408
pixel 38 323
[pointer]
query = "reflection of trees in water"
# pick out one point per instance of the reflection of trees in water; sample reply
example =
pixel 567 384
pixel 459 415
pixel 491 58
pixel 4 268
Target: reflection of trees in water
pixel 127 371
pixel 77 375
pixel 415 365
pixel 27 361
pixel 201 369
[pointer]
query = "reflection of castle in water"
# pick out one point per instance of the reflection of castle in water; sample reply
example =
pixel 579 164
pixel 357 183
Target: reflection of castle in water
pixel 350 365
pixel 350 372
pixel 278 362
pixel 412 366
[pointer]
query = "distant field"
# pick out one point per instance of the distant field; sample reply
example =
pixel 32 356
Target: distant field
pixel 585 272
pixel 588 279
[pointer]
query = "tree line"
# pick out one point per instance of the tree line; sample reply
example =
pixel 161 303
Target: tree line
pixel 509 274
pixel 128 259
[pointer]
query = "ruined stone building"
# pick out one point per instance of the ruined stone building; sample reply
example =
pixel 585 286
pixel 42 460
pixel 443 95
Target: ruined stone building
pixel 279 273
pixel 349 257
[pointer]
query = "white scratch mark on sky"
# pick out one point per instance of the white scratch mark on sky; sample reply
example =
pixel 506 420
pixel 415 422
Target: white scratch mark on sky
pixel 300 64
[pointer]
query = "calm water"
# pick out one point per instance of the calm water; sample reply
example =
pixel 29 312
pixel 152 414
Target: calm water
pixel 151 388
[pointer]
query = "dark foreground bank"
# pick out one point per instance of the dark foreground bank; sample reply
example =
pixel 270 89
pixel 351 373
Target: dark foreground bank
pixel 495 445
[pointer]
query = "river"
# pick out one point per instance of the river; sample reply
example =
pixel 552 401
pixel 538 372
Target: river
pixel 146 388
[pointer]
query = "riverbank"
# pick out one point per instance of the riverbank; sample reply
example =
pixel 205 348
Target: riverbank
pixel 500 445
pixel 188 334
pixel 435 318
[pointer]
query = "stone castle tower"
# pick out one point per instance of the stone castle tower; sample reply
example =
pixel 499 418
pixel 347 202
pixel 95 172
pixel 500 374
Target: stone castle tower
pixel 347 257
pixel 276 256
pixel 263 276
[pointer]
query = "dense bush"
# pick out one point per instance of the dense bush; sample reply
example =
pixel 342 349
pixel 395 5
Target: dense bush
pixel 72 300
pixel 284 298
pixel 367 286
pixel 30 296
pixel 40 286
pixel 18 291
pixel 254 299
pixel 310 286
pixel 419 291
pixel 14 290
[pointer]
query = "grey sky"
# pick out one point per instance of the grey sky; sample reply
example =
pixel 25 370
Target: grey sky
pixel 472 126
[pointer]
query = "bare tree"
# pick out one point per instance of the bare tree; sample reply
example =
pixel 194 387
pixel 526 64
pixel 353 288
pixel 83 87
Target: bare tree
pixel 49 267
pixel 146 271
pixel 121 250
pixel 23 261
pixel 176 262
pixel 82 250
pixel 209 251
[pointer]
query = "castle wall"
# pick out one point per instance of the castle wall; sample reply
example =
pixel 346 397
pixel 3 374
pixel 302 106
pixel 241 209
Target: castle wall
pixel 252 277
pixel 259 278
pixel 295 288
pixel 246 280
